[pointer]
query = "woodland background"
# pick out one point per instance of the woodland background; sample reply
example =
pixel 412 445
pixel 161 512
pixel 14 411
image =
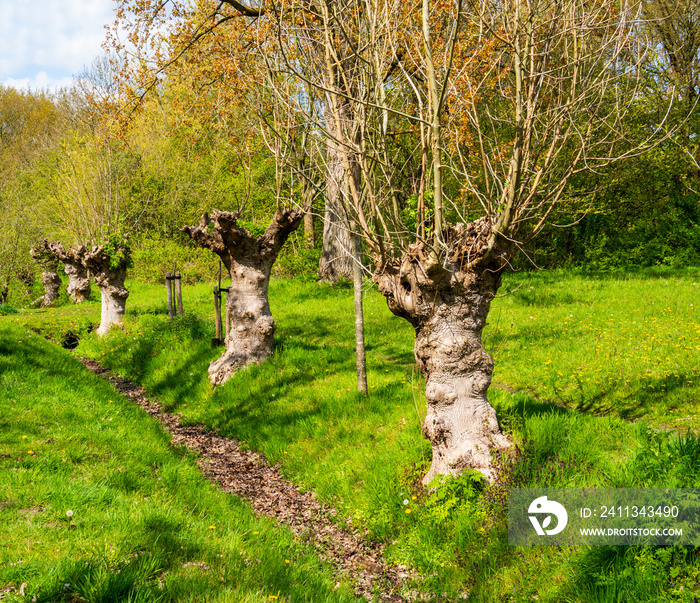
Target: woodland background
pixel 76 165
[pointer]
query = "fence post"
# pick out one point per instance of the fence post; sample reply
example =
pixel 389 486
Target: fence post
pixel 226 323
pixel 168 281
pixel 217 316
pixel 178 289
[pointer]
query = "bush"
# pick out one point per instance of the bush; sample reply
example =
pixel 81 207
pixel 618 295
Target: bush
pixel 153 257
pixel 297 261
pixel 5 309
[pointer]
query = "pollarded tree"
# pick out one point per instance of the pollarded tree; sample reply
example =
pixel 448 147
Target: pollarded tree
pixel 108 263
pixel 503 103
pixel 232 109
pixel 48 262
pixel 96 202
pixel 249 260
pixel 74 262
pixel 515 98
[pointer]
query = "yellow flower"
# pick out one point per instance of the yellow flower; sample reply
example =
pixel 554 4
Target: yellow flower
pixel 212 527
pixel 408 510
pixel 256 533
pixel 30 452
pixel 24 437
pixel 286 560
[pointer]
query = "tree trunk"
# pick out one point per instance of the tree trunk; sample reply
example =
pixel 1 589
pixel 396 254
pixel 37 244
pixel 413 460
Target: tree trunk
pixel 360 356
pixel 448 305
pixel 78 281
pixel 52 285
pixel 309 236
pixel 76 270
pixel 249 260
pixel 336 260
pixel 49 276
pixel 109 272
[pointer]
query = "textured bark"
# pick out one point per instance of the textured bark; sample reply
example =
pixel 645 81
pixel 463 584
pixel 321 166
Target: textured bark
pixel 336 260
pixel 447 303
pixel 49 275
pixel 76 270
pixel 309 236
pixel 109 272
pixel 249 260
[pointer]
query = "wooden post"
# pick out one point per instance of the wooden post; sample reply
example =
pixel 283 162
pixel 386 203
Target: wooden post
pixel 168 281
pixel 178 290
pixel 217 316
pixel 226 312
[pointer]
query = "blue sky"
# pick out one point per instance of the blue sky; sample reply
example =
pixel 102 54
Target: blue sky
pixel 43 43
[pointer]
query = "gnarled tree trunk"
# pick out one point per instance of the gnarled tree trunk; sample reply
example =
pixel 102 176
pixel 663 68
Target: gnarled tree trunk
pixel 76 270
pixel 109 272
pixel 448 304
pixel 49 272
pixel 249 260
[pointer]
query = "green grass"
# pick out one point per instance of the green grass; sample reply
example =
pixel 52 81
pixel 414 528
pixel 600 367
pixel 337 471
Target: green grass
pixel 582 393
pixel 145 525
pixel 625 344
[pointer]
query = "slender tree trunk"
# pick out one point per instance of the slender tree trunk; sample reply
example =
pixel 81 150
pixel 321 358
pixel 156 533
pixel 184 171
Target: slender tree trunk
pixel 249 260
pixel 448 306
pixel 309 236
pixel 360 358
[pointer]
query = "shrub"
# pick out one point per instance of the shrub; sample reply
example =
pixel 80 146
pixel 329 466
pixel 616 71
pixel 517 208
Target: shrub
pixel 153 257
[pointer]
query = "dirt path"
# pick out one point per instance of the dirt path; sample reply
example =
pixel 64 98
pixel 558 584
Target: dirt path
pixel 249 475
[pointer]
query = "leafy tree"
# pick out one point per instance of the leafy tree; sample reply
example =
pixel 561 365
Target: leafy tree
pixel 29 126
pixel 500 106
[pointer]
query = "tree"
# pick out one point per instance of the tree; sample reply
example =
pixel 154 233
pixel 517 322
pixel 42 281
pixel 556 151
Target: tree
pixel 29 127
pixel 517 98
pixel 49 275
pixel 95 205
pixel 249 260
pixel 500 104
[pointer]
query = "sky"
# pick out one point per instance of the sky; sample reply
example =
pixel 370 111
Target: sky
pixel 44 43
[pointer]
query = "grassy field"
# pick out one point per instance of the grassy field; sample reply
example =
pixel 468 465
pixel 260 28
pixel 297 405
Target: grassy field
pixel 96 506
pixel 595 376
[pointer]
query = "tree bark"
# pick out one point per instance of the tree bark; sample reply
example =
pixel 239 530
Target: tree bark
pixel 109 272
pixel 76 270
pixel 309 236
pixel 336 259
pixel 447 304
pixel 249 260
pixel 49 275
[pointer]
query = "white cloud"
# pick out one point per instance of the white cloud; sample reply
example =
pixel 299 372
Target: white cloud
pixel 43 43
pixel 41 81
